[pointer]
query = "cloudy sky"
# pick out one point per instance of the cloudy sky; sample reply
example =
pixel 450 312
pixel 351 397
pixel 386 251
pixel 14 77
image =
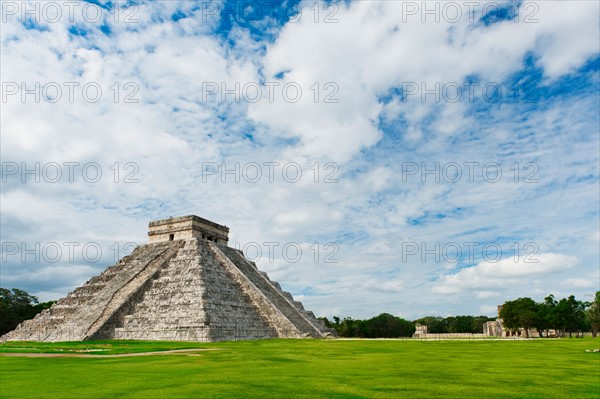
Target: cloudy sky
pixel 414 158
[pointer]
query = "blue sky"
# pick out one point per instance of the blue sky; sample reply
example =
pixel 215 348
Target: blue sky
pixel 371 156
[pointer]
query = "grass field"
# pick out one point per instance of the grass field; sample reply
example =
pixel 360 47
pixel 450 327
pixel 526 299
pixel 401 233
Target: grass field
pixel 543 368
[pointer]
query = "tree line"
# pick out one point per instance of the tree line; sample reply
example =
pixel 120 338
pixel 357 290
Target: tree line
pixel 383 326
pixel 388 326
pixel 454 324
pixel 567 315
pixel 564 316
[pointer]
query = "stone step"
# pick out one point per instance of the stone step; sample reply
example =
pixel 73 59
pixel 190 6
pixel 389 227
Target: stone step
pixel 85 304
pixel 272 292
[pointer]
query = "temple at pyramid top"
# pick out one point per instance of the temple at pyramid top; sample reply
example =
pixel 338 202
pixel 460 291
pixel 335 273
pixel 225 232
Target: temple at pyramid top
pixel 187 227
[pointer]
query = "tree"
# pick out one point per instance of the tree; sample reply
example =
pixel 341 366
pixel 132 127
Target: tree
pixel 351 328
pixel 547 315
pixel 542 324
pixel 522 312
pixel 593 315
pixel 336 320
pixel 570 315
pixel 388 326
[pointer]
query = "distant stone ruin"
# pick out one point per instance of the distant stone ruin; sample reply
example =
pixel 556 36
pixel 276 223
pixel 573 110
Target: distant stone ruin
pixel 420 331
pixel 185 285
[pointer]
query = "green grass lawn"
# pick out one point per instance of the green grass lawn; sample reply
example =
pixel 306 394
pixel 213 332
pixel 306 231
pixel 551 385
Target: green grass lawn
pixel 543 368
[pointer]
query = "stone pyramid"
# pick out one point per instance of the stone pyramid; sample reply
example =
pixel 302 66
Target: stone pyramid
pixel 185 285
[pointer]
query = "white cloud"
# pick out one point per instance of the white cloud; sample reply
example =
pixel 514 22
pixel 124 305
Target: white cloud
pixel 489 310
pixel 580 283
pixel 502 274
pixel 487 294
pixel 373 52
pixel 566 35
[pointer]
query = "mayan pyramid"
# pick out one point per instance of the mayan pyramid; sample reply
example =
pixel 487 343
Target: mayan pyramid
pixel 186 284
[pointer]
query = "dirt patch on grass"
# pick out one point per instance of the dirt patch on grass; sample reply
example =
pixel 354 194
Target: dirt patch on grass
pixel 169 352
